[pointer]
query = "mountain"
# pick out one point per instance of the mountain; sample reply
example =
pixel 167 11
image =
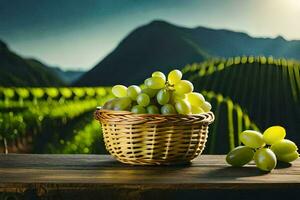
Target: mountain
pixel 18 71
pixel 156 46
pixel 225 43
pixel 163 46
pixel 68 76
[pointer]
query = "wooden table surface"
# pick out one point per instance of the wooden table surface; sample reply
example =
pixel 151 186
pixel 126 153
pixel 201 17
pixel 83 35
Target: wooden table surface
pixel 20 172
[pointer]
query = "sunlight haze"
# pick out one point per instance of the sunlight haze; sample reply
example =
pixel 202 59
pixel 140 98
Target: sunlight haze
pixel 78 34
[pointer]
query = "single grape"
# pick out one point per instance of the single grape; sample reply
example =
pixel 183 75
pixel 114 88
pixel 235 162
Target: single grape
pixel 123 103
pixel 143 99
pixel 183 87
pixel 196 110
pixel 265 159
pixel 177 97
pixel 163 96
pixel 252 139
pixel 195 99
pixel 240 156
pixel 133 91
pixel 274 134
pixel 152 109
pixel 137 109
pixel 155 82
pixel 174 76
pixel 289 157
pixel 167 109
pixel 159 74
pixel 206 106
pixel 284 147
pixel 119 91
pixel 109 105
pixel 150 92
pixel 183 107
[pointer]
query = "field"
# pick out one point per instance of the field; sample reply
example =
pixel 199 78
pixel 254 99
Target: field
pixel 40 120
pixel 267 89
pixel 51 120
pixel 245 92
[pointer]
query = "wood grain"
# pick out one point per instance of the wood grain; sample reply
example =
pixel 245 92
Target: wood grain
pixel 75 176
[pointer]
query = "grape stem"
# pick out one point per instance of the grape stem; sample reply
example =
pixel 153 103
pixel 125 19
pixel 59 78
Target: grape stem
pixel 169 86
pixel 5 146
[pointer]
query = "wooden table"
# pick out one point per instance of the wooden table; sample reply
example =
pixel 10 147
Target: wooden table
pixel 25 176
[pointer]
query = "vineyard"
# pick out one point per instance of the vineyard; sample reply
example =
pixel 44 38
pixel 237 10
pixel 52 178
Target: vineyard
pixel 50 120
pixel 245 93
pixel 267 89
pixel 60 120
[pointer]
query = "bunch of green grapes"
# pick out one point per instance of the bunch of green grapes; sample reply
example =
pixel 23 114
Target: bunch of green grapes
pixel 265 149
pixel 160 95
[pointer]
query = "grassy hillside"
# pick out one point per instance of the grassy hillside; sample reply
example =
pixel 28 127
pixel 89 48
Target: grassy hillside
pixel 17 71
pixel 267 89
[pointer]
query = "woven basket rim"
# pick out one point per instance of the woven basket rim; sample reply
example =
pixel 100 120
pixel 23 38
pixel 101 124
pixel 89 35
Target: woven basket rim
pixel 207 117
pixel 100 109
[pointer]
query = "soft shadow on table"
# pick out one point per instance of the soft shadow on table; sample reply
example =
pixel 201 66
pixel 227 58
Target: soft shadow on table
pixel 283 165
pixel 115 163
pixel 236 172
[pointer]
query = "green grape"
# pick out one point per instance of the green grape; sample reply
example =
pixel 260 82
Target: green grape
pixel 196 110
pixel 150 92
pixel 119 91
pixel 195 99
pixel 168 109
pixel 155 82
pixel 133 91
pixel 177 97
pixel 183 107
pixel 184 87
pixel 174 77
pixel 159 74
pixel 240 156
pixel 252 139
pixel 143 99
pixel 274 134
pixel 152 109
pixel 138 109
pixel 206 106
pixel 123 103
pixel 163 96
pixel 284 147
pixel 289 157
pixel 265 159
pixel 109 105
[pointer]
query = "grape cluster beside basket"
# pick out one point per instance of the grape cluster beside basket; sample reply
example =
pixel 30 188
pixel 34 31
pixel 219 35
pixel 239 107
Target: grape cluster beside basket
pixel 167 128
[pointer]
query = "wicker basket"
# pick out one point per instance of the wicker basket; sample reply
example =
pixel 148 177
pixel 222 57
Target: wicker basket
pixel 152 139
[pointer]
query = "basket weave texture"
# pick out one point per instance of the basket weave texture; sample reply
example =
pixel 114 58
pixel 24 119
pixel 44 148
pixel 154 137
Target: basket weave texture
pixel 152 139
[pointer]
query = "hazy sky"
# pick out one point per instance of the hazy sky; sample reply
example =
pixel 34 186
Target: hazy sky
pixel 77 34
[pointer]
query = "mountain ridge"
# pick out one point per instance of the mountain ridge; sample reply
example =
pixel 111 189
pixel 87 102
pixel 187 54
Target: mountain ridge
pixel 19 71
pixel 143 41
pixel 188 45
